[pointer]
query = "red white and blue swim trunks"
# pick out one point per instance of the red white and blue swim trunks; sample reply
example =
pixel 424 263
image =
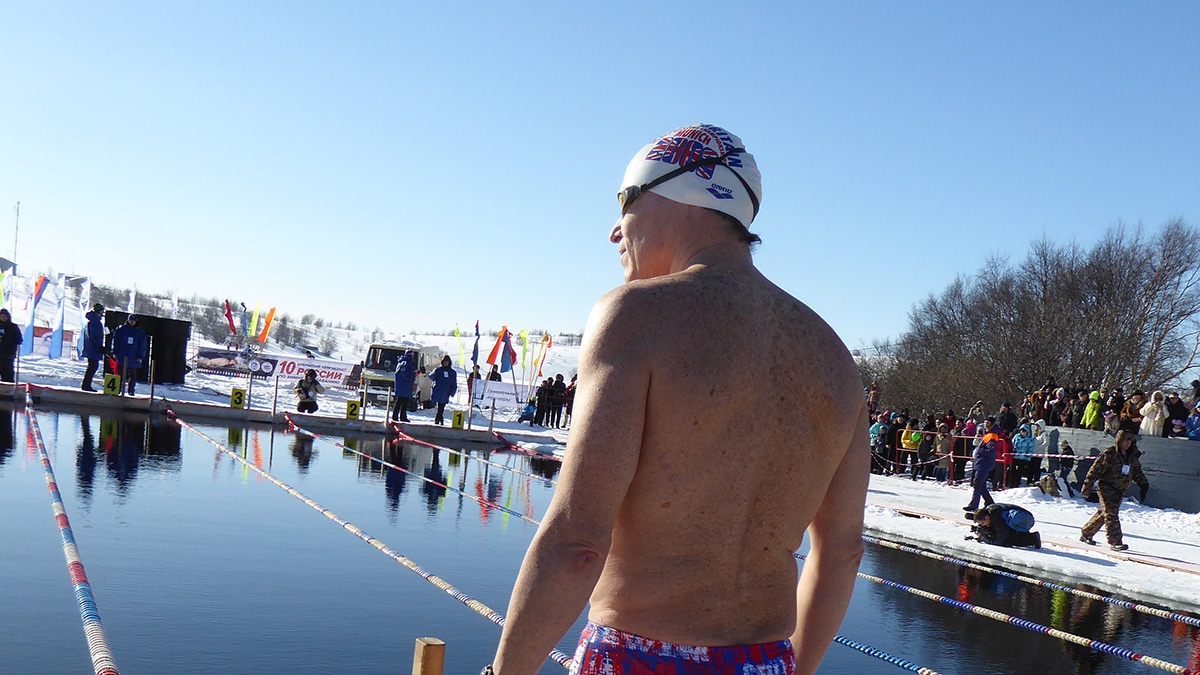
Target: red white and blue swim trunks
pixel 608 651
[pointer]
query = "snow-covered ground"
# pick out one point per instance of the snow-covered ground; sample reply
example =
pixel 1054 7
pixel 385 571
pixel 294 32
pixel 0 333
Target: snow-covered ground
pixel 205 387
pixel 1163 537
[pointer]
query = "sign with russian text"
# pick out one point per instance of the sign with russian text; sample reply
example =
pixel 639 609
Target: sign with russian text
pixel 504 394
pixel 236 363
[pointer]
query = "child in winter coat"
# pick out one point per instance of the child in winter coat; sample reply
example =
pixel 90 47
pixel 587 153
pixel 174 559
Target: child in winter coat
pixel 1192 424
pixel 942 448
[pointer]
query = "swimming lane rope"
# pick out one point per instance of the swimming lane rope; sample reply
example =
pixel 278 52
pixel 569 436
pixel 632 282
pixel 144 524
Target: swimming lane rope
pixel 845 641
pixel 882 655
pixel 306 432
pixel 1030 625
pixel 559 657
pixel 413 439
pixel 1155 611
pixel 479 608
pixel 93 630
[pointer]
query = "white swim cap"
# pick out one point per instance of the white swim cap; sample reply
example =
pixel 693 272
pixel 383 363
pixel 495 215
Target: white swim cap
pixel 725 177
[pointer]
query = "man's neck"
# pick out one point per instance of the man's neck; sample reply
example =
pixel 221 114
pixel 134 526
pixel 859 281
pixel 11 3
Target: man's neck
pixel 726 255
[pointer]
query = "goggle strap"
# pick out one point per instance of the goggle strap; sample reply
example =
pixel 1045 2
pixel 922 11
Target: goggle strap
pixel 708 161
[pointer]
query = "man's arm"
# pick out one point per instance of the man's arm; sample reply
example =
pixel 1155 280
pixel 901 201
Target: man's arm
pixel 568 552
pixel 1099 468
pixel 835 538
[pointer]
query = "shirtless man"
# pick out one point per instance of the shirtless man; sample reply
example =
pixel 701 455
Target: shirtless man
pixel 717 419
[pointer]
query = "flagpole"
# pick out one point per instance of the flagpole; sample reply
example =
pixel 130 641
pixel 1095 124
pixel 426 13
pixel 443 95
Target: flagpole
pixel 16 230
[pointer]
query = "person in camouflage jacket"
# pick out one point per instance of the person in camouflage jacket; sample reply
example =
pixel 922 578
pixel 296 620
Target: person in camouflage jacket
pixel 1110 476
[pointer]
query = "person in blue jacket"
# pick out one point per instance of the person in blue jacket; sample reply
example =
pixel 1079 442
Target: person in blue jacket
pixel 982 462
pixel 406 375
pixel 1005 525
pixel 445 385
pixel 129 348
pixel 93 344
pixel 1023 458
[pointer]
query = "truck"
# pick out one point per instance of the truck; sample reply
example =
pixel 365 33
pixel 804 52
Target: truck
pixel 379 368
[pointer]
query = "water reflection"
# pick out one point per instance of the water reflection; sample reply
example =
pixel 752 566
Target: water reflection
pixel 1000 647
pixel 394 480
pixel 1188 639
pixel 439 471
pixel 546 468
pixel 1097 620
pixel 429 487
pixel 302 452
pixel 85 462
pixel 7 439
pixel 126 441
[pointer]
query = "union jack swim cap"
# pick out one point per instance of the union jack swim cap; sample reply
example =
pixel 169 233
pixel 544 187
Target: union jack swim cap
pixel 729 183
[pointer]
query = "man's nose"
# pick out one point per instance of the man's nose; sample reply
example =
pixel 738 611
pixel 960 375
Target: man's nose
pixel 615 234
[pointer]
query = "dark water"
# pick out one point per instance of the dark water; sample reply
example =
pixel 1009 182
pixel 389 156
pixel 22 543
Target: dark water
pixel 200 566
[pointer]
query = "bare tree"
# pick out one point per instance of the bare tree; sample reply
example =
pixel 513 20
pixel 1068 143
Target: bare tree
pixel 1123 313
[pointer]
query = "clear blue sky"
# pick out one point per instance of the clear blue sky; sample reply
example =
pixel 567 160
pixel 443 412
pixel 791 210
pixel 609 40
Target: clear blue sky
pixel 414 165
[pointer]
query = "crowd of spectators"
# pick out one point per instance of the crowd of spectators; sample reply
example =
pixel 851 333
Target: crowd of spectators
pixel 938 445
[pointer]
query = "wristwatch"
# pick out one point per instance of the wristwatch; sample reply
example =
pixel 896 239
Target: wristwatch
pixel 487 670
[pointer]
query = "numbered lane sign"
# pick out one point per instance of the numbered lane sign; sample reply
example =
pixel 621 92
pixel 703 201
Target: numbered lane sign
pixel 112 384
pixel 352 409
pixel 237 398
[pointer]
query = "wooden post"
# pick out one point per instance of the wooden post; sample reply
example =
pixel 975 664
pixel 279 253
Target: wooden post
pixel 428 657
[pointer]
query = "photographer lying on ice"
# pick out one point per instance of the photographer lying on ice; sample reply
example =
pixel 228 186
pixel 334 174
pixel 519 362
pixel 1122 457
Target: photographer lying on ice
pixel 1005 525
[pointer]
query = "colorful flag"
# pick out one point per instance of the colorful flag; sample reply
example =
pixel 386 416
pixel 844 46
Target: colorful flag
pixel 458 336
pixel 85 301
pixel 495 353
pixel 229 318
pixel 508 355
pixel 60 310
pixel 524 341
pixel 475 349
pixel 39 287
pixel 254 320
pixel 6 289
pixel 547 342
pixel 262 335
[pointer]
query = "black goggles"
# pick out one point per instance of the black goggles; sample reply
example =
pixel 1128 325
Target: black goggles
pixel 627 196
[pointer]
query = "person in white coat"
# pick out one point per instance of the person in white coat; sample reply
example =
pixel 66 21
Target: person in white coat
pixel 1154 414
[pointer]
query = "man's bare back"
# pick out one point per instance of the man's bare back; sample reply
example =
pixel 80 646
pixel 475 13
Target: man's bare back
pixel 716 419
pixel 741 439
